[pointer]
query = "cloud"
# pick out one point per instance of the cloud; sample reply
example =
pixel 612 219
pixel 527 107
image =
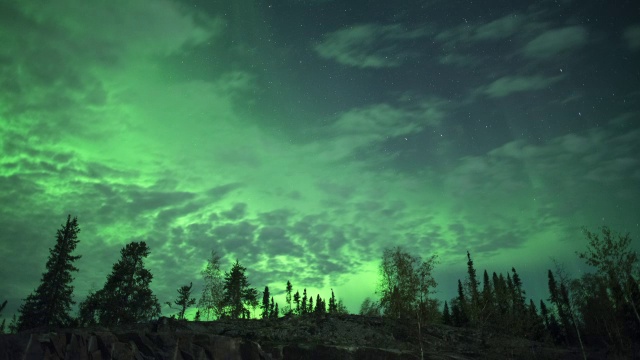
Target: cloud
pixel 368 45
pixel 162 29
pixel 501 28
pixel 367 126
pixel 498 29
pixel 632 36
pixel 508 85
pixel 555 42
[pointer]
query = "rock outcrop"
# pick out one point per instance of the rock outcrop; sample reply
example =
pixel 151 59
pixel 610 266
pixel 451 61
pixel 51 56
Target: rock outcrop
pixel 343 337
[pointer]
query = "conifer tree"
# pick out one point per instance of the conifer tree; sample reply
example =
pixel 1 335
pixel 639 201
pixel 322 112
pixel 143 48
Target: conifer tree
pixel 534 325
pixel 276 312
pixel 332 303
pixel 4 304
pixel 126 296
pixel 303 304
pixel 446 315
pixel 184 300
pixel 474 296
pixel 296 300
pixel 501 303
pixel 310 305
pixel 320 306
pixel 459 308
pixel 265 302
pixel 487 311
pixel 556 300
pixel 288 297
pixel 237 292
pixel 13 325
pixel 272 309
pixel 51 302
pixel 518 293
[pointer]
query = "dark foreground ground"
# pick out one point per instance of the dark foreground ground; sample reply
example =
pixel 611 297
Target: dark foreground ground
pixel 342 337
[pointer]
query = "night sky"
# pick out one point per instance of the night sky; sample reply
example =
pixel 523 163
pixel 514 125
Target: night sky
pixel 302 137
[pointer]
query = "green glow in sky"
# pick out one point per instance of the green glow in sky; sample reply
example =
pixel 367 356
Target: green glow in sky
pixel 302 142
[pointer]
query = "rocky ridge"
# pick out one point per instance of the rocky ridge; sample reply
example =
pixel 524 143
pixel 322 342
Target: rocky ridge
pixel 341 337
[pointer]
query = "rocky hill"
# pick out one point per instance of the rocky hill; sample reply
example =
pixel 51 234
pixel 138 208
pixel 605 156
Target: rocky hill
pixel 325 337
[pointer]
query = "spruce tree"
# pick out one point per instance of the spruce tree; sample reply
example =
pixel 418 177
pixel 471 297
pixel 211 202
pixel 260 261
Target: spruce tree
pixel 126 296
pixel 320 306
pixel 237 291
pixel 303 304
pixel 460 316
pixel 272 308
pixel 276 312
pixel 51 302
pixel 487 310
pixel 332 303
pixel 4 304
pixel 310 305
pixel 265 302
pixel 296 299
pixel 472 285
pixel 446 315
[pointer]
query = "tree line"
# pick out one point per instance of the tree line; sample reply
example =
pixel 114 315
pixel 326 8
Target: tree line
pixel 126 296
pixel 598 309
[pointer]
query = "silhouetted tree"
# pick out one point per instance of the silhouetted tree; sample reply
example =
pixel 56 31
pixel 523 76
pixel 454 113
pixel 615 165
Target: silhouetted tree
pixel 4 304
pixel 272 308
pixel 265 303
pixel 501 302
pixel 487 310
pixel 332 303
pixel 197 316
pixel 288 296
pixel 251 299
pixel 321 307
pixel 341 308
pixel 561 299
pixel 237 292
pixel 534 325
pixel 184 300
pixel 211 300
pixel 310 305
pixel 446 315
pixel 460 316
pixel 369 307
pixel 614 258
pixel 473 305
pixel 296 299
pixel 405 282
pixel 51 302
pixel 303 304
pixel 126 296
pixel 276 312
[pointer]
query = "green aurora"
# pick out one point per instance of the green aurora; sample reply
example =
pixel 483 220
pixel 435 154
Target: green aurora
pixel 304 137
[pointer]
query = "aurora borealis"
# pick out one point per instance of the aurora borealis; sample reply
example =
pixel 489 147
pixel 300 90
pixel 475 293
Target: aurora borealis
pixel 302 137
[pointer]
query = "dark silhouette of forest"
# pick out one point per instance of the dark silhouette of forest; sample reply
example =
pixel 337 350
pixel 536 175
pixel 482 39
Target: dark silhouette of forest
pixel 597 310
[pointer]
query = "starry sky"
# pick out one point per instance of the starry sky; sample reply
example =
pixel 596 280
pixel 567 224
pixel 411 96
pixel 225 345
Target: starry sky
pixel 302 137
